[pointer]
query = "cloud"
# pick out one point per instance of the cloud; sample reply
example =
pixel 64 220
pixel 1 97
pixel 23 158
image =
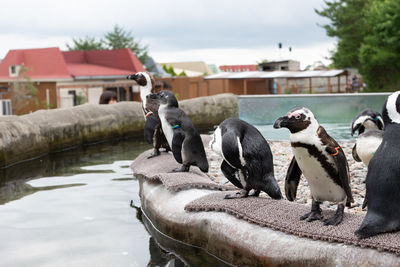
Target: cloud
pixel 307 55
pixel 174 25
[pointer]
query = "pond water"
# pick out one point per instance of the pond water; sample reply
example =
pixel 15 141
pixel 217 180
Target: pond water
pixel 81 207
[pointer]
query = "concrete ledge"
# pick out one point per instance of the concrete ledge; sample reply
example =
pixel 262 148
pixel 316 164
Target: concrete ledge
pixel 45 131
pixel 244 244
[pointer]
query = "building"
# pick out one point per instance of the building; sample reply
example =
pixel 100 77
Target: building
pixel 50 78
pixel 285 65
pixel 278 82
pixel 238 68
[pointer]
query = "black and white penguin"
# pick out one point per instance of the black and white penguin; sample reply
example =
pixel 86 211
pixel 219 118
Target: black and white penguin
pixel 383 177
pixel 183 138
pixel 152 128
pixel 247 158
pixel 369 125
pixel 322 161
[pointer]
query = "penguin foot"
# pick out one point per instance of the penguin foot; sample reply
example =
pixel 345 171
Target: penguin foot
pixel 183 168
pixel 312 216
pixel 256 193
pixel 154 154
pixel 337 218
pixel 315 214
pixel 240 194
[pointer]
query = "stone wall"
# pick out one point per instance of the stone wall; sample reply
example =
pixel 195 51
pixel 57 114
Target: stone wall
pixel 45 131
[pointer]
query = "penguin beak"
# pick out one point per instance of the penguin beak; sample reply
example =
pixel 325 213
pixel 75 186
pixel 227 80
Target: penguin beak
pixel 355 128
pixel 281 122
pixel 132 77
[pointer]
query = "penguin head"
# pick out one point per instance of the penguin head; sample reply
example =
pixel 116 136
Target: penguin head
pixel 165 97
pixel 391 109
pixel 143 79
pixel 367 119
pixel 296 120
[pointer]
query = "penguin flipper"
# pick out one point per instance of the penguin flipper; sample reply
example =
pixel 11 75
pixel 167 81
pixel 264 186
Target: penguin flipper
pixel 230 174
pixel 230 150
pixel 354 153
pixel 177 141
pixel 292 180
pixel 343 173
pixel 149 128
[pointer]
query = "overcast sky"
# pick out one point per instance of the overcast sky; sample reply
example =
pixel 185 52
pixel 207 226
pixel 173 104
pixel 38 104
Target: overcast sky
pixel 218 32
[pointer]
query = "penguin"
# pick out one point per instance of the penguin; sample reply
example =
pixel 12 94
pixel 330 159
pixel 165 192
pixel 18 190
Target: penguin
pixel 369 125
pixel 183 138
pixel 247 158
pixel 383 177
pixel 152 129
pixel 321 160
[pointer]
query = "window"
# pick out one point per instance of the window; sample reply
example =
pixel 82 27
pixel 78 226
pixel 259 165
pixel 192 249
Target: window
pixel 14 70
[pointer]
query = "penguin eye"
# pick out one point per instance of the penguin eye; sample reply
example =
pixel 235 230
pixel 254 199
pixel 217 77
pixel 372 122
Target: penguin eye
pixel 297 116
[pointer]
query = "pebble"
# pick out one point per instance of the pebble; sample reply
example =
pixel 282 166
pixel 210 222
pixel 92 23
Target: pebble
pixel 282 153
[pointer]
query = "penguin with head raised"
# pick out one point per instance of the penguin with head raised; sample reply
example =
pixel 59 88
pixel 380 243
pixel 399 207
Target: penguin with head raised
pixel 247 158
pixel 369 125
pixel 321 160
pixel 152 128
pixel 383 177
pixel 183 138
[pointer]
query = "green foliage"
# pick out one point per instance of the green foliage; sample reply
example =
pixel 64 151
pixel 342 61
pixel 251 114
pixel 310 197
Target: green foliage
pixel 23 91
pixel 263 61
pixel 170 70
pixel 368 34
pixel 349 26
pixel 87 43
pixel 117 38
pixel 80 99
pixel 183 74
pixel 380 50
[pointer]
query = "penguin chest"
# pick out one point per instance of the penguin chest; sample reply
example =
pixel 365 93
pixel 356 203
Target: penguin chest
pixel 366 147
pixel 322 187
pixel 166 127
pixel 216 141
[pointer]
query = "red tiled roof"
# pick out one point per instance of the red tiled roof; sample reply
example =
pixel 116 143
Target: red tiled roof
pixel 122 58
pixel 41 63
pixel 51 63
pixel 94 70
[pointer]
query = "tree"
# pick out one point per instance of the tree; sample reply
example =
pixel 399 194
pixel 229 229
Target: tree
pixel 170 70
pixel 118 38
pixel 23 91
pixel 348 25
pixel 380 50
pixel 87 43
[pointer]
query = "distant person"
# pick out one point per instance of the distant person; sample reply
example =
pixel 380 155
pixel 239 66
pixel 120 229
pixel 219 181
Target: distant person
pixel 355 84
pixel 108 97
pixel 349 86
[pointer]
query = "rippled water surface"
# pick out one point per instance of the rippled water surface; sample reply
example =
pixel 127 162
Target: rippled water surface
pixel 81 207
pixel 73 209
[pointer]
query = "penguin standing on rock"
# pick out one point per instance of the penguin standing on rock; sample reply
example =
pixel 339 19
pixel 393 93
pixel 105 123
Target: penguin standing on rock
pixel 152 129
pixel 247 158
pixel 322 161
pixel 369 125
pixel 383 177
pixel 183 138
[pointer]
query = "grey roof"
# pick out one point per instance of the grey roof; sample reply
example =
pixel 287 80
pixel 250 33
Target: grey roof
pixel 277 74
pixel 156 68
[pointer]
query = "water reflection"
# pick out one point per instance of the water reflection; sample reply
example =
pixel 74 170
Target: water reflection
pixel 13 180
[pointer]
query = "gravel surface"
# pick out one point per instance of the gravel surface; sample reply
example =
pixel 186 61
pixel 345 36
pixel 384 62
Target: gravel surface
pixel 282 153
